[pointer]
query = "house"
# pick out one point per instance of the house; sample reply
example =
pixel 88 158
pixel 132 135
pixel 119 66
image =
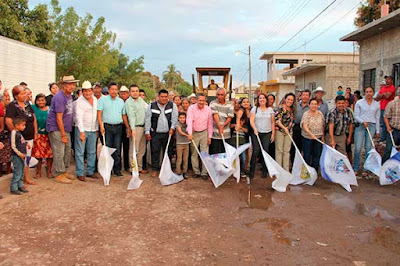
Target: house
pixel 379 49
pixel 23 62
pixel 294 71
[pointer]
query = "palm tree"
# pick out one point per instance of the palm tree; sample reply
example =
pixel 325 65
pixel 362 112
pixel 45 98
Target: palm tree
pixel 172 77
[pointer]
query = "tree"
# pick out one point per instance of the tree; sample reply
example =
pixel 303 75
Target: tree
pixel 126 73
pixel 172 77
pixel 184 88
pixel 84 49
pixel 370 10
pixel 29 26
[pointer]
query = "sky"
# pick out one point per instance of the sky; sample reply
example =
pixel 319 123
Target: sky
pixel 206 33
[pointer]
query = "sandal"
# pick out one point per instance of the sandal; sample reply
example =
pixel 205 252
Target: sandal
pixel 50 175
pixel 29 182
pixel 37 176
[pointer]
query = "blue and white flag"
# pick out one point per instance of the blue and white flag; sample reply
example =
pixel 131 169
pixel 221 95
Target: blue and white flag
pixel 105 164
pixel 135 181
pixel 390 170
pixel 217 170
pixel 336 168
pixel 31 162
pixel 373 162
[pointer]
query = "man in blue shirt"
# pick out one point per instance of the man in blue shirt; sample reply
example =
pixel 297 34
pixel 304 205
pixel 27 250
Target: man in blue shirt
pixel 112 116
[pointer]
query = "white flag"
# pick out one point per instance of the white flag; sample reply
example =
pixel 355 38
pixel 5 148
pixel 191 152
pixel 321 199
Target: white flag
pixel 373 162
pixel 302 173
pixel 167 176
pixel 135 181
pixel 216 169
pixel 335 167
pixel 390 170
pixel 106 163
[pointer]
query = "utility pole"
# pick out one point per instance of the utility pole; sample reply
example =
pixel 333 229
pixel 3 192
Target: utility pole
pixel 250 94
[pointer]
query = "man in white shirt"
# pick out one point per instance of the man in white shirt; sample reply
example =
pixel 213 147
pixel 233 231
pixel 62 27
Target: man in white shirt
pixel 86 127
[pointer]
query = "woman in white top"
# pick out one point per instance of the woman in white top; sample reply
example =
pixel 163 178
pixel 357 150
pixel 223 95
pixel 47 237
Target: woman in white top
pixel 366 115
pixel 262 120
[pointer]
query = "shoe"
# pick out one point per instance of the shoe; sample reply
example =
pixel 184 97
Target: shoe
pixel 196 176
pixel 23 190
pixel 143 171
pixel 155 173
pixel 204 177
pixel 94 176
pixel 82 178
pixel 264 175
pixel 243 175
pixel 62 179
pixel 251 175
pixel 69 176
pixel 17 192
pixel 119 174
pixel 185 175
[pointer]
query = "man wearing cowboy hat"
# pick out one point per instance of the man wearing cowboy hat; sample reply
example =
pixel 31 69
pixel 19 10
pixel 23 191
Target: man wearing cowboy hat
pixel 59 126
pixel 85 115
pixel 322 106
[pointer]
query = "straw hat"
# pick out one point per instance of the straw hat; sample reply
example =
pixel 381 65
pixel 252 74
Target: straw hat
pixel 123 88
pixel 68 79
pixel 319 89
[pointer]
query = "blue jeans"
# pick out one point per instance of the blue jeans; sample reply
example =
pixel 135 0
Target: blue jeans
pixel 17 180
pixel 389 145
pixel 90 145
pixel 361 135
pixel 312 152
pixel 384 132
pixel 113 140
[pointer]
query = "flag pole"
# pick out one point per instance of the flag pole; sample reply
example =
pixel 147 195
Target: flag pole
pixel 198 152
pixel 297 149
pixel 391 137
pixel 370 137
pixel 320 141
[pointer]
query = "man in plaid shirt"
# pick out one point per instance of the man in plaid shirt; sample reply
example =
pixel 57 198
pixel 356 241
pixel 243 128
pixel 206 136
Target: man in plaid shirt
pixel 340 120
pixel 392 122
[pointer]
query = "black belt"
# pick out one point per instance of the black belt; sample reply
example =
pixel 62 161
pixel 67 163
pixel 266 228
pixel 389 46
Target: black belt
pixel 139 126
pixel 113 125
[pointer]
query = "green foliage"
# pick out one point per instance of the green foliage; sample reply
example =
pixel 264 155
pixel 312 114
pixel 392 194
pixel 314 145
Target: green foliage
pixel 172 77
pixel 184 88
pixel 30 26
pixel 370 10
pixel 126 73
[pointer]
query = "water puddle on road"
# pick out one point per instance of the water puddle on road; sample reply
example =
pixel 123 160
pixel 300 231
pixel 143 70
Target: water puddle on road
pixel 387 237
pixel 345 202
pixel 257 198
pixel 277 227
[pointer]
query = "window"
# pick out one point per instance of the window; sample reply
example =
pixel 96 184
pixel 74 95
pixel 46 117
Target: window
pixel 396 75
pixel 369 78
pixel 312 86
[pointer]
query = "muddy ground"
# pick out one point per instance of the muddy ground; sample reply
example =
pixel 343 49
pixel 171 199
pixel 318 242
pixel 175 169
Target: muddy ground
pixel 194 223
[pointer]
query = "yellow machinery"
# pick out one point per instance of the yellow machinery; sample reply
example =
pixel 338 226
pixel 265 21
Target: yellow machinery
pixel 211 72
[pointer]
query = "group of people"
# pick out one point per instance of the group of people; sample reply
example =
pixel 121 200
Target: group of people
pixel 120 118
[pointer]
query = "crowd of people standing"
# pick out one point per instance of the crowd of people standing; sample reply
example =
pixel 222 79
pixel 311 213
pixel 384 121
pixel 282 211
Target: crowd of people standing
pixel 119 117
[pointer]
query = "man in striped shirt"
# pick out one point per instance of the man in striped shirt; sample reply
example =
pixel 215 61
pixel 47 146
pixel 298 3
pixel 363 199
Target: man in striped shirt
pixel 223 113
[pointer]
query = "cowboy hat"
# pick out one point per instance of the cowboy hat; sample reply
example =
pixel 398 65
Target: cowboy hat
pixel 68 79
pixel 319 89
pixel 123 88
pixel 86 85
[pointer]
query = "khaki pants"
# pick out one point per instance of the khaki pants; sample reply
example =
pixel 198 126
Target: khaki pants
pixel 182 158
pixel 340 143
pixel 282 149
pixel 140 148
pixel 61 152
pixel 200 138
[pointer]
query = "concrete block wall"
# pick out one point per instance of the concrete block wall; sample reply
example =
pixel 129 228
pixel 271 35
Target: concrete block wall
pixel 380 52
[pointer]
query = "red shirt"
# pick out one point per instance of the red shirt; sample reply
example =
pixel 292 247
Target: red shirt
pixel 387 88
pixel 2 114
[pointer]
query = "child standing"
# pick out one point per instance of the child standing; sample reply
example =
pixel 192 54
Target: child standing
pixel 182 145
pixel 18 151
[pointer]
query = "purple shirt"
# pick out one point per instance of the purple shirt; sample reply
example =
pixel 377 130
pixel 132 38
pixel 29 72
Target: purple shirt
pixel 60 103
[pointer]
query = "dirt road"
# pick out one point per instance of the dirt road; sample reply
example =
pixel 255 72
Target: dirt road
pixel 194 223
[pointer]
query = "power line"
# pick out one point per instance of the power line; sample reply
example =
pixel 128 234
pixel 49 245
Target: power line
pixel 283 45
pixel 331 26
